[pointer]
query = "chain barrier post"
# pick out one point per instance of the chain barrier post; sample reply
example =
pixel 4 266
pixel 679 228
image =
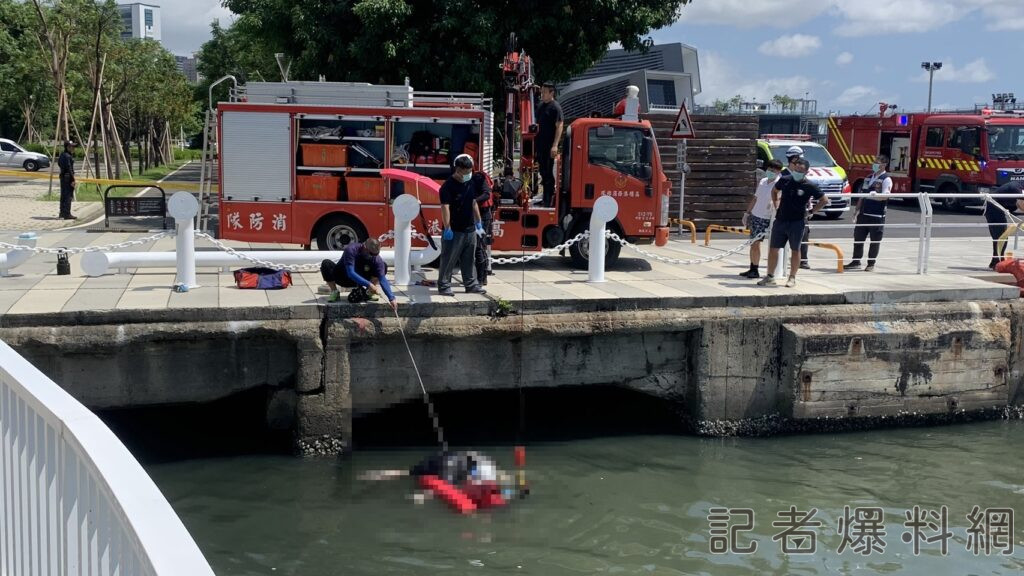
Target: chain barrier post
pixel 183 207
pixel 17 257
pixel 605 210
pixel 405 207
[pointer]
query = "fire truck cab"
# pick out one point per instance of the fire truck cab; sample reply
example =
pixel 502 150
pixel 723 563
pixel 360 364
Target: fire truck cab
pixel 942 153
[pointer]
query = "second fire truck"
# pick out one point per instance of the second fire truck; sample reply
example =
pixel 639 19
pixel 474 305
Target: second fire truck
pixel 945 153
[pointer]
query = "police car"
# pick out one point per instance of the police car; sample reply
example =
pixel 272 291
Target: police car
pixel 824 171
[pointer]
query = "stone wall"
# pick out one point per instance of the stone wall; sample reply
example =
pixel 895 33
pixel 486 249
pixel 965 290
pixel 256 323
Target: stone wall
pixel 730 370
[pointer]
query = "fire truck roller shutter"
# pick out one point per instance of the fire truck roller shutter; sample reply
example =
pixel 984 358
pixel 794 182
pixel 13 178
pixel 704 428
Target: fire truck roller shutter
pixel 256 152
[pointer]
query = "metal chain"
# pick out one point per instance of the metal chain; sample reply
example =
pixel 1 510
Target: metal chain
pixel 75 250
pixel 616 238
pixel 547 251
pixel 257 261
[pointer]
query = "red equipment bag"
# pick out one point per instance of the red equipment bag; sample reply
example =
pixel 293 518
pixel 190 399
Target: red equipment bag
pixel 262 278
pixel 1015 267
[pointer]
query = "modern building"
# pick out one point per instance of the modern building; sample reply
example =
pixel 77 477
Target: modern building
pixel 667 76
pixel 140 21
pixel 187 65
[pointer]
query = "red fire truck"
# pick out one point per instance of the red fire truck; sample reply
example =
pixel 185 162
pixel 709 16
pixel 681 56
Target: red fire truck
pixel 947 153
pixel 301 161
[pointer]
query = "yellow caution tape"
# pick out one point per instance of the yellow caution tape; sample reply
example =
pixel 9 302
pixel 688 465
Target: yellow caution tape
pixel 166 184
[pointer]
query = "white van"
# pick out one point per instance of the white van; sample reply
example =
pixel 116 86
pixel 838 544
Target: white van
pixel 824 171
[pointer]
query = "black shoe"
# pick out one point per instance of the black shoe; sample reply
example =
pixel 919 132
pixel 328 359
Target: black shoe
pixel 750 274
pixel 490 272
pixel 853 265
pixel 68 217
pixel 992 263
pixel 476 290
pixel 445 292
pixel 805 266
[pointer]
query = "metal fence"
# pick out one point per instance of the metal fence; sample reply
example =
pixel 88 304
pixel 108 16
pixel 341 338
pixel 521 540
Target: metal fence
pixel 74 499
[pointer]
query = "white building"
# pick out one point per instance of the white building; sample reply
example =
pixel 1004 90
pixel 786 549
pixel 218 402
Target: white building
pixel 140 21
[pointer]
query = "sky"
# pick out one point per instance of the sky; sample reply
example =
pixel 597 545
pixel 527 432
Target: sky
pixel 846 54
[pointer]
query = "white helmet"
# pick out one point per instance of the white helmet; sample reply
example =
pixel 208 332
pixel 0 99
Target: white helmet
pixel 794 151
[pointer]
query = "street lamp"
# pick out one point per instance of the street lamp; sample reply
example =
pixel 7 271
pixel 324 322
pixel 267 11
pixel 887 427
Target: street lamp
pixel 931 67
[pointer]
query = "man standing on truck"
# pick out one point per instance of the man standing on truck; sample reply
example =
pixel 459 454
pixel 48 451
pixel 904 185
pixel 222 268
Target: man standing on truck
pixel 870 219
pixel 549 135
pixel 460 216
pixel 791 194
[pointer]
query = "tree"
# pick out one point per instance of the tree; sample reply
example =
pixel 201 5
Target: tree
pixel 784 102
pixel 26 96
pixel 736 102
pixel 445 44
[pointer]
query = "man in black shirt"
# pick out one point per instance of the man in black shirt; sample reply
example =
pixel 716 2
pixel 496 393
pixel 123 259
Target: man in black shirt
pixel 460 216
pixel 66 162
pixel 549 135
pixel 790 195
pixel 996 216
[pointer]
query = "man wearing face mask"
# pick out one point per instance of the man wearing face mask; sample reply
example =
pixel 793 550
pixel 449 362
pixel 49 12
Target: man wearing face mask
pixel 460 216
pixel 758 216
pixel 790 195
pixel 870 218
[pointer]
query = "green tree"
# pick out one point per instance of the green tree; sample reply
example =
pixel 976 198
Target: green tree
pixel 784 102
pixel 26 93
pixel 445 44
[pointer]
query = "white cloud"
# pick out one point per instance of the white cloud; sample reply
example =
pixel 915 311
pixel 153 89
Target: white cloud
pixel 792 46
pixel 855 17
pixel 973 72
pixel 748 14
pixel 185 24
pixel 721 81
pixel 876 17
pixel 857 95
pixel 844 58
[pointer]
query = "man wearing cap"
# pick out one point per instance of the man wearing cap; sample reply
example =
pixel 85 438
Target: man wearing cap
pixel 460 216
pixel 360 268
pixel 792 154
pixel 66 162
pixel 549 135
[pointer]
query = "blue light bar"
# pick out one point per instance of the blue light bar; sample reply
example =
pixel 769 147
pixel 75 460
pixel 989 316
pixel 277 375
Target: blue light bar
pixel 904 119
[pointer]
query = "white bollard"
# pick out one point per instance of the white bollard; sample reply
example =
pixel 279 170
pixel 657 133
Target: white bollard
pixel 183 207
pixel 16 258
pixel 405 207
pixel 605 210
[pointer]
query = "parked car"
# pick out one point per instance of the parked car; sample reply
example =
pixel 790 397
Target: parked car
pixel 14 156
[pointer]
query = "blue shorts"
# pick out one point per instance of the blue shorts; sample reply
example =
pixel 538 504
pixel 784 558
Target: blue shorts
pixel 758 226
pixel 787 232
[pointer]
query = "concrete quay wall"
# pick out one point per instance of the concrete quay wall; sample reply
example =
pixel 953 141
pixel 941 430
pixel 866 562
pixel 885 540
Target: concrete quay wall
pixel 730 370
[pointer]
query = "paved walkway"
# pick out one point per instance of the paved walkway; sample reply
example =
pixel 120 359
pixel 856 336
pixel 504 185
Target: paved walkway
pixel 957 266
pixel 22 209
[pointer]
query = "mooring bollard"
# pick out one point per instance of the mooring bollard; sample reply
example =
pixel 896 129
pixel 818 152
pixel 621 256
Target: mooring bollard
pixel 605 210
pixel 183 207
pixel 63 264
pixel 405 207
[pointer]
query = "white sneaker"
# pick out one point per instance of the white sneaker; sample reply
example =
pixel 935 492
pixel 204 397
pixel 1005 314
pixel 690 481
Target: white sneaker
pixel 768 281
pixel 791 282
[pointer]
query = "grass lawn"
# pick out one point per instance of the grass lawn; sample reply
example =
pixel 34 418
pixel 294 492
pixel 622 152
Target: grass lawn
pixel 89 192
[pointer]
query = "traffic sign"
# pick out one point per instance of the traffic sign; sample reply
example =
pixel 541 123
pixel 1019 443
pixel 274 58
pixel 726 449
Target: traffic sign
pixel 683 128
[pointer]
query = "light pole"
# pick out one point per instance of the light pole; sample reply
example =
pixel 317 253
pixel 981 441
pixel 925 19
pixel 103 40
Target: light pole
pixel 931 67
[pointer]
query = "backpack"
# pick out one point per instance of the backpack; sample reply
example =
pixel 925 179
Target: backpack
pixel 421 144
pixel 262 278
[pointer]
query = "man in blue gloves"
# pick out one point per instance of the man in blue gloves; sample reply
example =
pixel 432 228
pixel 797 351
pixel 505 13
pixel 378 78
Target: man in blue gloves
pixel 362 269
pixel 460 216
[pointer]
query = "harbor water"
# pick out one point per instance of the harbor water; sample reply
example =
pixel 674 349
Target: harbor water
pixel 629 504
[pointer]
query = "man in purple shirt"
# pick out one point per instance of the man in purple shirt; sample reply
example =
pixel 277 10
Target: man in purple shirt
pixel 361 268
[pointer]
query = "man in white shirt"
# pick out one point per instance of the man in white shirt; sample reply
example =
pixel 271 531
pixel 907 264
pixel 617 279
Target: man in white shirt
pixel 870 218
pixel 758 216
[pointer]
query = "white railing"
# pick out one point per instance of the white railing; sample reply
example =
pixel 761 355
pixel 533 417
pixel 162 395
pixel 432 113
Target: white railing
pixel 74 499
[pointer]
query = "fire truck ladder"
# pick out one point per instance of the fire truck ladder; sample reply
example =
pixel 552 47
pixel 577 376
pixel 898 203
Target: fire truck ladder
pixel 207 196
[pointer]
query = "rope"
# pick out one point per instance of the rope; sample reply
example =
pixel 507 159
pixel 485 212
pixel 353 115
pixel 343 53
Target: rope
pixel 426 397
